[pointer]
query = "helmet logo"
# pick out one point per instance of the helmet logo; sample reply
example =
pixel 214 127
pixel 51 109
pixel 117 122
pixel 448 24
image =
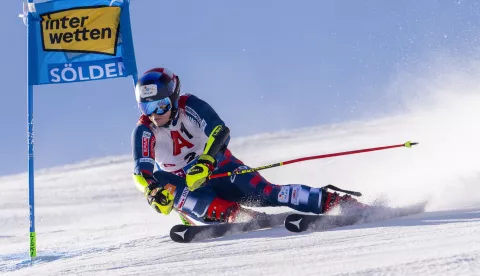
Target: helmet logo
pixel 148 90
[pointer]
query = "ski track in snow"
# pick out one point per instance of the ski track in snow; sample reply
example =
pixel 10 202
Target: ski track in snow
pixel 91 220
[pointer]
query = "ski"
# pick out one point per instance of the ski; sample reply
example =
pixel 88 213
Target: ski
pixel 188 233
pixel 303 222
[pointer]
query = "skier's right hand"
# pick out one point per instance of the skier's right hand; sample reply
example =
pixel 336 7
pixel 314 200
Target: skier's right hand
pixel 160 199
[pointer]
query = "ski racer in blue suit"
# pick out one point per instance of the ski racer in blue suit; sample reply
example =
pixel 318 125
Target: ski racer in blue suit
pixel 180 141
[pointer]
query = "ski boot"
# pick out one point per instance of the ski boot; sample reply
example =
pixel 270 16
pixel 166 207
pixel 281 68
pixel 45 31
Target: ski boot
pixel 221 210
pixel 347 203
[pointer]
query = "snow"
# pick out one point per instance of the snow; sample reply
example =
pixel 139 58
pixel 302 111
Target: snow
pixel 92 221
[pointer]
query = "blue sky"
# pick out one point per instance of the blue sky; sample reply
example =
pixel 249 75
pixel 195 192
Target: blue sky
pixel 263 65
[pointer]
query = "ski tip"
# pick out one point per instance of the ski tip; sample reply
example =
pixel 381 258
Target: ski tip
pixel 409 144
pixel 295 223
pixel 178 233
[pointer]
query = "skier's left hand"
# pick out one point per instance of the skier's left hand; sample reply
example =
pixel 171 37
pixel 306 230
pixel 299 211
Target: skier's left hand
pixel 198 174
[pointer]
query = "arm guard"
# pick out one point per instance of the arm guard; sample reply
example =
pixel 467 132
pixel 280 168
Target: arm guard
pixel 217 141
pixel 141 183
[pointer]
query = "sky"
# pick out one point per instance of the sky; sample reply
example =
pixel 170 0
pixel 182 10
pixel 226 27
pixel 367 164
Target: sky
pixel 265 66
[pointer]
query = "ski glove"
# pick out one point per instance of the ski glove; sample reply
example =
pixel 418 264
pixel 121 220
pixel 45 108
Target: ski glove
pixel 160 199
pixel 198 175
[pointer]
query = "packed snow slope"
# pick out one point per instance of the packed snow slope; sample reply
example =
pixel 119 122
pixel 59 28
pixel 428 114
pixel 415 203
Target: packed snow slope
pixel 92 221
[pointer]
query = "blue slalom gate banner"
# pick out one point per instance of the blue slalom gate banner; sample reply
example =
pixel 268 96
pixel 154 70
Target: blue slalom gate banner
pixel 74 41
pixel 81 40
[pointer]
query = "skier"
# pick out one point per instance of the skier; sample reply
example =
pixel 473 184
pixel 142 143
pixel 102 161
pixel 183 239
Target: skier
pixel 180 141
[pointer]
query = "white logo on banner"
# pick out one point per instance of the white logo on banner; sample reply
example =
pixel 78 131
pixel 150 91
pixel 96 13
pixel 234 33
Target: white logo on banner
pixel 73 72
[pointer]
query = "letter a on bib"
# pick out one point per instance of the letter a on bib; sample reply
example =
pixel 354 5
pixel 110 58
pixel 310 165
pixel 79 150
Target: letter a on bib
pixel 179 142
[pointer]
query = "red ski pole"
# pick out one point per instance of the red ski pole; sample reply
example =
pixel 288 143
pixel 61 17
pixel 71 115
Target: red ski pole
pixel 407 145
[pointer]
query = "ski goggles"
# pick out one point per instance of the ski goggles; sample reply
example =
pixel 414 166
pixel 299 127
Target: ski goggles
pixel 159 107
